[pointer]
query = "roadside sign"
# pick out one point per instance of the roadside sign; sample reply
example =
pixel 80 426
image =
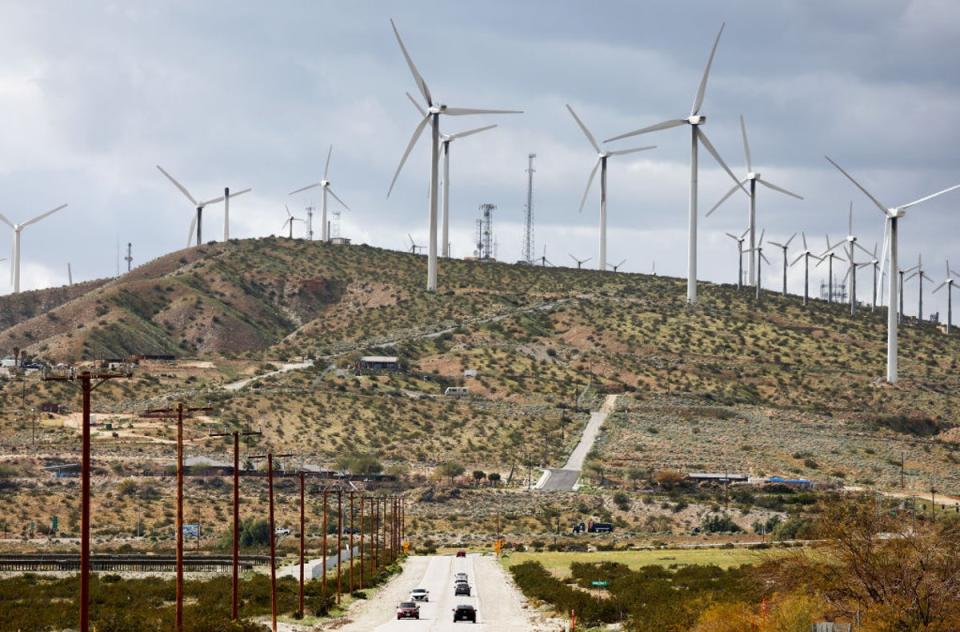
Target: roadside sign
pixel 599 583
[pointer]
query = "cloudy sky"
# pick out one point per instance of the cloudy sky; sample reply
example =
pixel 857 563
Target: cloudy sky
pixel 94 94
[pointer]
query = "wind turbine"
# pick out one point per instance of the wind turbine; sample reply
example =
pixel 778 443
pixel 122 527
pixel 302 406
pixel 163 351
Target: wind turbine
pixel 921 274
pixel 290 220
pixel 544 262
pixel 324 185
pixel 875 264
pixel 445 140
pixel 432 116
pixel 829 255
pixel 851 274
pixel 15 255
pixel 601 163
pixel 759 250
pixel 695 120
pixel 753 178
pixel 949 283
pixel 784 247
pixel 892 215
pixel 805 255
pixel 739 241
pixel 197 222
pixel 903 272
pixel 616 266
pixel 580 262
pixel 414 247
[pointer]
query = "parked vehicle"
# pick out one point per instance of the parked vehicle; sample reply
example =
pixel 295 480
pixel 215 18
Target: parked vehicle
pixel 281 531
pixel 461 553
pixel 460 577
pixel 600 527
pixel 461 589
pixel 465 612
pixel 420 594
pixel 408 610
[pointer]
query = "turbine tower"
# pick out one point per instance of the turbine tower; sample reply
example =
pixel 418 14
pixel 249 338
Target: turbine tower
pixel 805 255
pixel 892 216
pixel 324 185
pixel 129 257
pixel 616 266
pixel 949 283
pixel 921 274
pixel 580 262
pixel 739 241
pixel 759 250
pixel 15 255
pixel 289 221
pixel 752 178
pixel 849 252
pixel 784 247
pixel 433 112
pixel 829 256
pixel 601 163
pixel 197 222
pixel 526 252
pixel 695 121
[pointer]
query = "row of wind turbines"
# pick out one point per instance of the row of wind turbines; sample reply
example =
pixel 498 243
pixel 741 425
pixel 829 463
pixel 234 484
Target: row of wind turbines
pixel 696 119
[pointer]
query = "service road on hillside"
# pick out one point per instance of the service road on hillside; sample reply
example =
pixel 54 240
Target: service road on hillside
pixel 499 605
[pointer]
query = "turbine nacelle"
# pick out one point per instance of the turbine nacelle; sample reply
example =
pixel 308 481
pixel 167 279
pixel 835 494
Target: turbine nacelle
pixel 697 119
pixel 753 175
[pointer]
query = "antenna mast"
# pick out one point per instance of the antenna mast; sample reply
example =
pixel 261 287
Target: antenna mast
pixel 528 249
pixel 129 257
pixel 485 243
pixel 310 223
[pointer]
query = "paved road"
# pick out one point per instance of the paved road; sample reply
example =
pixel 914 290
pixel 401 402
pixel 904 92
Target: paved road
pixel 499 605
pixel 566 478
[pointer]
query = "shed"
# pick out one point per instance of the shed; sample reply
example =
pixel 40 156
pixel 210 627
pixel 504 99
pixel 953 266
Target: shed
pixel 378 363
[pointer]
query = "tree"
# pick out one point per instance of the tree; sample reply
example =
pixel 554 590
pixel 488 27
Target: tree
pixel 450 470
pixel 478 475
pixel 494 478
pixel 668 479
pixel 360 464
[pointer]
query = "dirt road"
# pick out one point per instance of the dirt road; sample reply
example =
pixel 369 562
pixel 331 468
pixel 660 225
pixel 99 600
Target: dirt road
pixel 500 606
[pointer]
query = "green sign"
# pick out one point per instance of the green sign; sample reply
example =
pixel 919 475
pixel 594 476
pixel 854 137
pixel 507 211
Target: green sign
pixel 599 583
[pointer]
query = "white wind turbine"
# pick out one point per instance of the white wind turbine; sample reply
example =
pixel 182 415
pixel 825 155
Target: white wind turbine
pixel 739 241
pixel 290 220
pixel 601 163
pixel 695 120
pixel 580 262
pixel 415 248
pixel 949 283
pixel 616 267
pixel 445 140
pixel 892 215
pixel 760 256
pixel 432 116
pixel 828 255
pixel 784 247
pixel 805 255
pixel 752 178
pixel 197 222
pixel 15 255
pixel 324 185
pixel 921 274
pixel 852 265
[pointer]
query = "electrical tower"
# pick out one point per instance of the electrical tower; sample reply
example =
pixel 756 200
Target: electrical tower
pixel 310 223
pixel 486 249
pixel 527 253
pixel 129 257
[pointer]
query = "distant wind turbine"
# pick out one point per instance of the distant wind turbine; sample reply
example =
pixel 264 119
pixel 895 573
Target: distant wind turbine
pixel 828 255
pixel 739 241
pixel 921 274
pixel 752 178
pixel 197 222
pixel 601 163
pixel 324 185
pixel 580 262
pixel 892 216
pixel 290 220
pixel 433 112
pixel 15 256
pixel 760 256
pixel 616 267
pixel 414 247
pixel 949 281
pixel 784 247
pixel 544 262
pixel 805 255
pixel 695 120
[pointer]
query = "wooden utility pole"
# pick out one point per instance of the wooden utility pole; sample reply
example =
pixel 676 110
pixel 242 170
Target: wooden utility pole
pixel 363 501
pixel 273 537
pixel 235 585
pixel 339 540
pixel 87 386
pixel 375 532
pixel 302 537
pixel 323 582
pixel 350 580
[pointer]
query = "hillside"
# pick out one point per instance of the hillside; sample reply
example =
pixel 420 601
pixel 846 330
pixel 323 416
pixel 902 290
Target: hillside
pixel 545 342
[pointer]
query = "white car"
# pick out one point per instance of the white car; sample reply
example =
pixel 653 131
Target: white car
pixel 420 594
pixel 281 531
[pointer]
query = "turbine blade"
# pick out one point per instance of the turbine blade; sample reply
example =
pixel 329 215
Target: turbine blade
pixel 413 141
pixel 929 197
pixel 212 201
pixel 803 235
pixel 792 237
pixel 5 220
pixel 775 243
pixel 193 228
pixel 306 188
pixel 43 215
pixel 326 168
pixel 651 128
pixel 732 236
pixel 621 263
pixel 182 188
pixel 416 105
pixel 746 145
pixel 713 152
pixel 622 152
pixel 698 102
pixel 939 287
pixel 799 257
pixel 850 219
pixel 470 132
pixel 466 111
pixel 770 185
pixel 342 203
pixel 865 251
pixel 241 192
pixel 745 232
pixel 424 90
pixel 593 173
pixel 732 190
pixel 586 132
pixel 880 206
pixel 764 257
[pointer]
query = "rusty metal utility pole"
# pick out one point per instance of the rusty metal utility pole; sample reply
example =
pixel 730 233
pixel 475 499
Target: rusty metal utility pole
pixel 235 587
pixel 273 538
pixel 375 532
pixel 386 558
pixel 363 501
pixel 323 582
pixel 350 581
pixel 87 386
pixel 339 539
pixel 302 538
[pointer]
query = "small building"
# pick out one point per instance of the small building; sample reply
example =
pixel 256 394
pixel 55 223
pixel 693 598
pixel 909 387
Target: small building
pixel 52 407
pixel 800 483
pixel 378 363
pixel 456 391
pixel 469 373
pixel 340 241
pixel 717 477
pixel 8 362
